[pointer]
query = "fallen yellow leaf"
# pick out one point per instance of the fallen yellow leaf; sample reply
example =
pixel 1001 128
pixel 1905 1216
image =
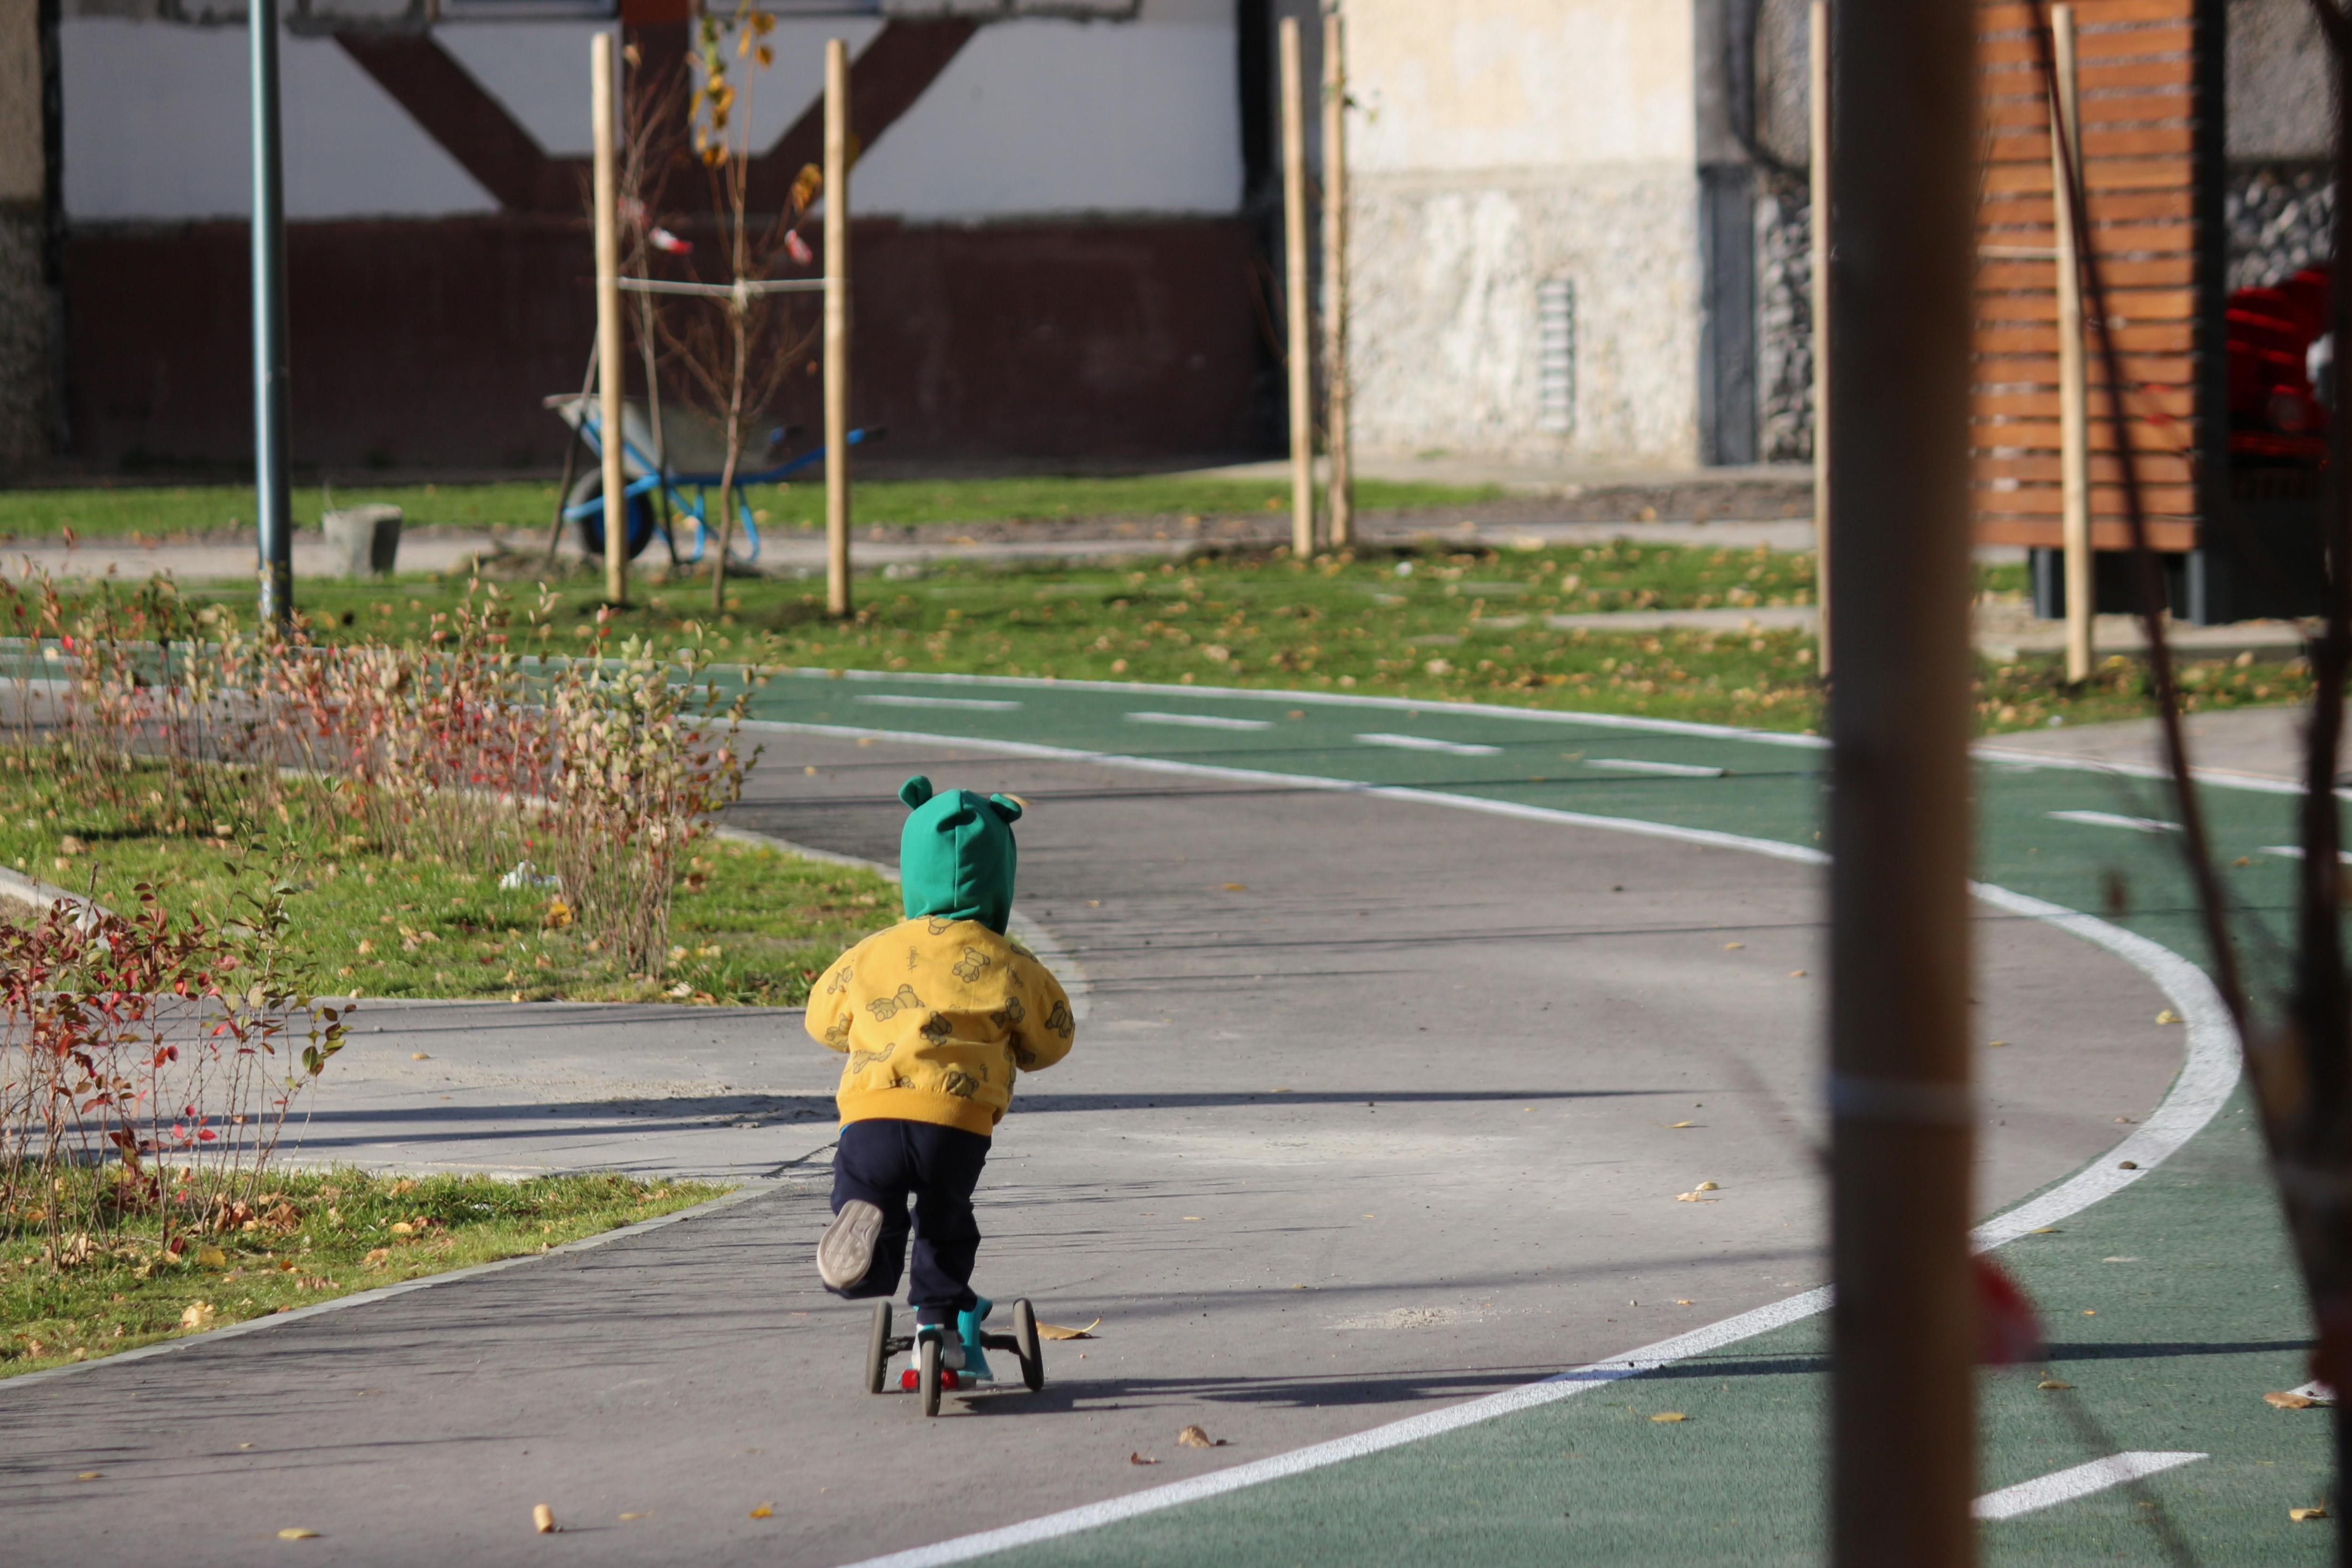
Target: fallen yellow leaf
pixel 542 1518
pixel 2301 1514
pixel 763 1511
pixel 1055 1331
pixel 199 1315
pixel 1684 1301
pixel 633 1516
pixel 1705 1188
pixel 1237 888
pixel 1674 1125
pixel 298 1533
pixel 402 1227
pixel 212 1257
pixel 2053 1385
pixel 2288 1401
pixel 1669 1416
pixel 2168 1016
pixel 89 1476
pixel 376 1256
pixel 1195 1437
pixel 419 1056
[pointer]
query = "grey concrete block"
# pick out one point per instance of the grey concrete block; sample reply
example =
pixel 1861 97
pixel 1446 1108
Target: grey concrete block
pixel 363 540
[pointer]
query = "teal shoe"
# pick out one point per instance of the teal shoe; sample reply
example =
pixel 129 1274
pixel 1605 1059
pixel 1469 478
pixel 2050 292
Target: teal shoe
pixel 975 1359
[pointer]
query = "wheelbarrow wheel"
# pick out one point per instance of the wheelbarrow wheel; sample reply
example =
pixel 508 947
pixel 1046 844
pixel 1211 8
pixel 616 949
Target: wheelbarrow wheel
pixel 589 487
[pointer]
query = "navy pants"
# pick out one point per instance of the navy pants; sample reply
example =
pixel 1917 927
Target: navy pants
pixel 885 1162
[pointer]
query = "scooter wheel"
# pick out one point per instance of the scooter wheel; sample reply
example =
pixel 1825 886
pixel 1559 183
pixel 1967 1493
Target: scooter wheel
pixel 1025 1345
pixel 877 1348
pixel 927 1353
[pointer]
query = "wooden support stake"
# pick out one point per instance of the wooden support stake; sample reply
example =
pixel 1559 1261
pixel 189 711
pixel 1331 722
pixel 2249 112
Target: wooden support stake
pixel 836 328
pixel 1298 306
pixel 1902 1114
pixel 611 368
pixel 2073 388
pixel 1335 283
pixel 1819 106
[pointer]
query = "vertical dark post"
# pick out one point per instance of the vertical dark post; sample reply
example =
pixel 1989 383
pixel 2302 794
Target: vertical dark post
pixel 1903 152
pixel 274 525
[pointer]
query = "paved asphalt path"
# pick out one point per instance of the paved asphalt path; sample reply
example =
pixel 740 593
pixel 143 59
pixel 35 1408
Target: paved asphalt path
pixel 1376 1108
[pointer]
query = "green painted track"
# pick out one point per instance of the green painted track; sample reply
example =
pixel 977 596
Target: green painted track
pixel 2171 1306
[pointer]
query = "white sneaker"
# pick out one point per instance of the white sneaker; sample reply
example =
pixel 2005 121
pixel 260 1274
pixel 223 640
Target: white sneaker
pixel 844 1255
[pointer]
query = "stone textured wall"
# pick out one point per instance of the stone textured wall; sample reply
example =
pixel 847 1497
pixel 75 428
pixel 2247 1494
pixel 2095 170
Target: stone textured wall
pixel 1784 323
pixel 1444 321
pixel 27 361
pixel 2278 217
pixel 28 307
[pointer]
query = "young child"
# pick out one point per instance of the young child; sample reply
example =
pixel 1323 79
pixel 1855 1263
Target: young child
pixel 937 1015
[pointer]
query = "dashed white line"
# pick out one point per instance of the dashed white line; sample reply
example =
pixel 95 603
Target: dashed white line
pixel 2295 852
pixel 1424 743
pixel 1200 721
pixel 1671 769
pixel 2110 819
pixel 980 704
pixel 2082 1480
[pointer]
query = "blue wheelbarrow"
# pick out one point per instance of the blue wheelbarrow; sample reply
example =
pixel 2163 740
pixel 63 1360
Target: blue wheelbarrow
pixel 692 455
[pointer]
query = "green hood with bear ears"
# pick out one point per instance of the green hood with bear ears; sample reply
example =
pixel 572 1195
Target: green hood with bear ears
pixel 956 855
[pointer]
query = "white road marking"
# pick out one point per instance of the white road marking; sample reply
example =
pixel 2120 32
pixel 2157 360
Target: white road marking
pixel 1200 721
pixel 2295 852
pixel 2066 1485
pixel 982 704
pixel 1671 769
pixel 2209 1074
pixel 1424 743
pixel 1350 699
pixel 2110 819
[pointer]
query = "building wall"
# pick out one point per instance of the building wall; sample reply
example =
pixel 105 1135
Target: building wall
pixel 1502 144
pixel 1049 258
pixel 27 312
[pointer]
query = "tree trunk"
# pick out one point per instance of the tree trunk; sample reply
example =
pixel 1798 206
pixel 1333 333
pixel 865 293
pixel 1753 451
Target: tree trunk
pixel 734 459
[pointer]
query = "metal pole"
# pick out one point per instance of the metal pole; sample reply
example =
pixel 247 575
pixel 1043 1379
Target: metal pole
pixel 272 492
pixel 2074 387
pixel 1298 307
pixel 611 368
pixel 1335 281
pixel 1819 106
pixel 836 327
pixel 1902 144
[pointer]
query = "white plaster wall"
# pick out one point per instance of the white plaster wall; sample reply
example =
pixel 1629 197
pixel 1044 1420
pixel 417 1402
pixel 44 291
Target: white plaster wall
pixel 1034 117
pixel 1498 144
pixel 1483 84
pixel 1444 325
pixel 1052 116
pixel 156 130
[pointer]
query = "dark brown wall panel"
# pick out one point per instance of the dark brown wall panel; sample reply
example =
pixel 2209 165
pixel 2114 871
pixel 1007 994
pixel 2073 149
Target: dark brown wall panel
pixel 2141 103
pixel 430 343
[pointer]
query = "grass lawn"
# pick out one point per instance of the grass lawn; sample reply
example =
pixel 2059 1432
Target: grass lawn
pixel 312 1235
pixel 168 511
pixel 1430 625
pixel 748 925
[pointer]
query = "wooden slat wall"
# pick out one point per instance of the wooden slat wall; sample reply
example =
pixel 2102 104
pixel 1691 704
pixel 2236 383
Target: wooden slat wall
pixel 2138 74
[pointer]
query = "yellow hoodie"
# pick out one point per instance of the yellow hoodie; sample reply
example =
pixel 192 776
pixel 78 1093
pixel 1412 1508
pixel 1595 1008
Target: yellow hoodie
pixel 938 1017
